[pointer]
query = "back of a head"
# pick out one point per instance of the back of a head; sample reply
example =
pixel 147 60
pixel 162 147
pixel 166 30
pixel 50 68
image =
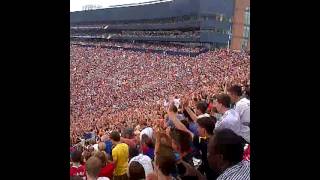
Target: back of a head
pixel 202 106
pixel 133 152
pixel 128 133
pixel 181 138
pixel 229 144
pixel 93 166
pixel 208 123
pixel 76 156
pixel 236 90
pixel 165 160
pixel 102 156
pixel 115 135
pixel 102 146
pixel 224 99
pixel 145 139
pixel 136 171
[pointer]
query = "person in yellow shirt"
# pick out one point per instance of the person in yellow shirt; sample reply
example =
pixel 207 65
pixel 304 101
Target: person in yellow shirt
pixel 120 156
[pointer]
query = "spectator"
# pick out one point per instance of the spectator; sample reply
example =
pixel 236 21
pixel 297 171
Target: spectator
pixel 136 171
pixel 165 162
pixel 129 138
pixel 205 128
pixel 120 156
pixel 242 106
pixel 225 153
pixel 144 160
pixel 76 168
pixel 107 167
pixel 230 118
pixel 93 167
pixel 147 146
pixel 181 142
pixel 116 90
pixel 201 109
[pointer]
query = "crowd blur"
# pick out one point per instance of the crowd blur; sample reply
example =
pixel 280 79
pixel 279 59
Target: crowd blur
pixel 154 116
pixel 170 34
pixel 147 46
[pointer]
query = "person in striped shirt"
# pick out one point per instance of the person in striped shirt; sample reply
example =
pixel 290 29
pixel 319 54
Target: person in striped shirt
pixel 225 155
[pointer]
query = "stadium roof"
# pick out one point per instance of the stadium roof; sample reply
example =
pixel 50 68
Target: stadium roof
pixel 139 4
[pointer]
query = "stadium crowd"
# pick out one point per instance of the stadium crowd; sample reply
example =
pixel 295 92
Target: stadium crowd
pixel 149 46
pixel 155 116
pixel 169 34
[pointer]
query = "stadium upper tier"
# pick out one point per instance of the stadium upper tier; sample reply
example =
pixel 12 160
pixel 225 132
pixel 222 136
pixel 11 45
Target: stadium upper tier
pixel 211 17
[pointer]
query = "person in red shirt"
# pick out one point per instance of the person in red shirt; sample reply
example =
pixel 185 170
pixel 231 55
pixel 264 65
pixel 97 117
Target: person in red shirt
pixel 76 168
pixel 128 137
pixel 107 168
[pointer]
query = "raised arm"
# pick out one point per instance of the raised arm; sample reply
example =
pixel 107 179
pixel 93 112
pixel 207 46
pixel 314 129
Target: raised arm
pixel 189 111
pixel 191 114
pixel 178 124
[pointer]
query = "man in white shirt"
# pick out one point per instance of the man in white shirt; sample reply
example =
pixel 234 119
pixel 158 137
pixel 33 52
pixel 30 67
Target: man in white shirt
pixel 242 106
pixel 230 118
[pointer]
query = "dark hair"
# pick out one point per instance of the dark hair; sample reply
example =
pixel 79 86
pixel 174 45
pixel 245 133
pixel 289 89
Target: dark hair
pixel 136 171
pixel 229 144
pixel 114 135
pixel 202 106
pixel 93 166
pixel 248 92
pixel 173 108
pixel 133 152
pixel 128 133
pixel 224 99
pixel 146 140
pixel 76 156
pixel 166 160
pixel 185 123
pixel 186 115
pixel 235 89
pixel 181 138
pixel 208 123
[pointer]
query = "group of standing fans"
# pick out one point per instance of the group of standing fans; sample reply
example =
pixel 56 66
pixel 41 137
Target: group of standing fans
pixel 198 135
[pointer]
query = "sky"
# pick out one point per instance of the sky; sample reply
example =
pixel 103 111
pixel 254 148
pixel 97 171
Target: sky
pixel 76 5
